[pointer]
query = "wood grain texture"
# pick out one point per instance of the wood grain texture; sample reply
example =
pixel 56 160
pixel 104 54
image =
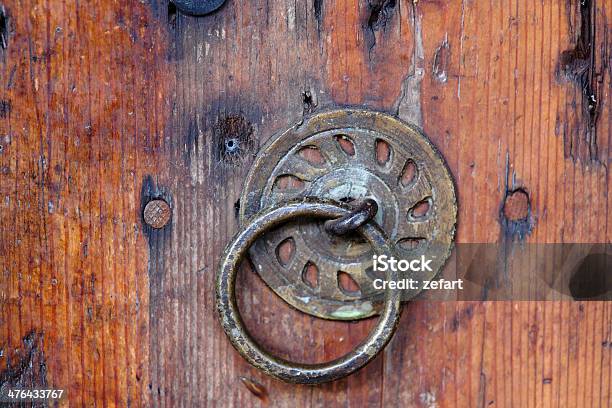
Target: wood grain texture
pixel 108 104
pixel 86 122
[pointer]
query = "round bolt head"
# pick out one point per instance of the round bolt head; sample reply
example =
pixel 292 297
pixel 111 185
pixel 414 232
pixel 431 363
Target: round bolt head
pixel 198 7
pixel 516 206
pixel 157 213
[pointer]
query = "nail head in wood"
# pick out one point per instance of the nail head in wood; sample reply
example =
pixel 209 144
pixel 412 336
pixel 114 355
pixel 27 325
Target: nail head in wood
pixel 157 213
pixel 516 205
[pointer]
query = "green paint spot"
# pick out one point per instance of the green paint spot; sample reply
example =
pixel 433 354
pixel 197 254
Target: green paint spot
pixel 352 312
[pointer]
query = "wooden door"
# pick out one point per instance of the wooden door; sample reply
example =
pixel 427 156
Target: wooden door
pixel 105 105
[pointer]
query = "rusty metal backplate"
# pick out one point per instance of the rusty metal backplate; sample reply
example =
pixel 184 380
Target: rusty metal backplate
pixel 349 155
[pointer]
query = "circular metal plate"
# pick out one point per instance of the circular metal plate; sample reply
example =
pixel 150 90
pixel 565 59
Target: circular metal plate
pixel 348 155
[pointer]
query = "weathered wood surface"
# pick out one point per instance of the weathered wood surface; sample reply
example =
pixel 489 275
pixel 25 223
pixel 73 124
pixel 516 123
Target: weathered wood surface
pixel 105 104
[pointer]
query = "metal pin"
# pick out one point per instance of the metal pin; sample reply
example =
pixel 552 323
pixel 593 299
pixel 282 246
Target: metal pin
pixel 350 222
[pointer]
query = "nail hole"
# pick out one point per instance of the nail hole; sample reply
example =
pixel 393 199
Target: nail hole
pixel 310 275
pixel 288 182
pixel 383 152
pixel 346 144
pixel 285 251
pixel 347 284
pixel 232 146
pixel 420 209
pixel 233 138
pixel 592 279
pixel 312 155
pixel 409 173
pixel 410 243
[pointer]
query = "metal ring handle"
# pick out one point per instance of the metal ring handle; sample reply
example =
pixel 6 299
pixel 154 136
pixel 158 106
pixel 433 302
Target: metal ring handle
pixel 250 350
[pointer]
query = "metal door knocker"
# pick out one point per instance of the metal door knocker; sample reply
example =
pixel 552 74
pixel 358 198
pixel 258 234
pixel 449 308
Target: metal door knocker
pixel 337 189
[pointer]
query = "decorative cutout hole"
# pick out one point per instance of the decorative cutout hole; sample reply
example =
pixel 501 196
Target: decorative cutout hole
pixel 285 251
pixel 288 182
pixel 409 173
pixel 383 152
pixel 420 210
pixel 374 274
pixel 312 155
pixel 310 275
pixel 346 144
pixel 410 244
pixel 347 284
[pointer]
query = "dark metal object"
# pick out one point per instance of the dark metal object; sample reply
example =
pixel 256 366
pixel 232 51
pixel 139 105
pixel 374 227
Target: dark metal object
pixel 350 222
pixel 232 323
pixel 198 7
pixel 336 155
pixel 157 213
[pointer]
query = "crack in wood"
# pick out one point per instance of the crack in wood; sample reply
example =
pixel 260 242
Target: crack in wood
pixel 30 368
pixel 381 12
pixel 579 65
pixel 408 105
pixel 318 12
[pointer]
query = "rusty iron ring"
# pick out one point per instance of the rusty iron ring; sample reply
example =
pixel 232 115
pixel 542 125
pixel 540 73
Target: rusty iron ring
pixel 350 222
pixel 233 325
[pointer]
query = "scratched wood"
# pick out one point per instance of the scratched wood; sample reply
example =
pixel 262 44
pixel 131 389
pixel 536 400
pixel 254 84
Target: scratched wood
pixel 105 105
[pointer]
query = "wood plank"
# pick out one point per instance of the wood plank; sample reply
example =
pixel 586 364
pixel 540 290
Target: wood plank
pixel 85 122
